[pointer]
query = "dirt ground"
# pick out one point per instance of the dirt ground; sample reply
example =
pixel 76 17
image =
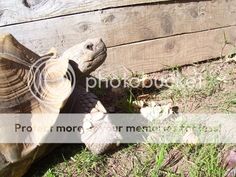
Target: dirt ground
pixel 207 87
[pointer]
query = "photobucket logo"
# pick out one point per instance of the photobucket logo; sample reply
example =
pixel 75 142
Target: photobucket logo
pixel 143 82
pixel 51 81
pixel 131 82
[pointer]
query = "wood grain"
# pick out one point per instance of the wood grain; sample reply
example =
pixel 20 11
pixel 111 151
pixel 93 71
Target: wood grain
pixel 125 25
pixel 164 53
pixel 18 11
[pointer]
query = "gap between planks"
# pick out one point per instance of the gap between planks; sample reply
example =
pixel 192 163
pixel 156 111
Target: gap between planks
pixel 156 55
pixel 18 12
pixel 125 26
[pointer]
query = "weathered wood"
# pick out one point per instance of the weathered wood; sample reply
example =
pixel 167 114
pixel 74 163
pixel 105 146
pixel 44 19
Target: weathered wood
pixel 17 11
pixel 125 25
pixel 163 53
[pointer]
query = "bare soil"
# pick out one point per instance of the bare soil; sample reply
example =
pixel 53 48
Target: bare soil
pixel 217 93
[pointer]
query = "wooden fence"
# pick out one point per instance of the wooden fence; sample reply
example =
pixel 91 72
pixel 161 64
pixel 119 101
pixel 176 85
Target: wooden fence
pixel 142 35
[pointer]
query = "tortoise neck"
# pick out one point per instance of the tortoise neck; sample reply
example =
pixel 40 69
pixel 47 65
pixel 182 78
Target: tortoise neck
pixel 79 77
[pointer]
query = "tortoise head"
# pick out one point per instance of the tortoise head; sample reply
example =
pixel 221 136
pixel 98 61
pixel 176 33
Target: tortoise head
pixel 88 55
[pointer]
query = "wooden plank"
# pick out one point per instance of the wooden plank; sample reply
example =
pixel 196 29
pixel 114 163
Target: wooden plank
pixel 18 11
pixel 164 53
pixel 125 25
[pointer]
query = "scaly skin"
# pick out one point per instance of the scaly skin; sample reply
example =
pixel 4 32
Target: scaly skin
pixel 15 159
pixel 87 57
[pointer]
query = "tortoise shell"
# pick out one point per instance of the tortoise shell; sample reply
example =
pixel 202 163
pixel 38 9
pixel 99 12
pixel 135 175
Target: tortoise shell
pixel 18 70
pixel 15 62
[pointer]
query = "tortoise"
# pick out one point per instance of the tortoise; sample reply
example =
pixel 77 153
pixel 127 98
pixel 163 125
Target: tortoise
pixel 18 96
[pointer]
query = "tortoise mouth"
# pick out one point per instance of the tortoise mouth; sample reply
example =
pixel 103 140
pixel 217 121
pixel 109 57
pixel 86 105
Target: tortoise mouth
pixel 99 54
pixel 93 63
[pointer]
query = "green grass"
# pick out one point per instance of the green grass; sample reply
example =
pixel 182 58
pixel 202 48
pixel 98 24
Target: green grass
pixel 212 83
pixel 184 89
pixel 49 173
pixel 232 101
pixel 84 163
pixel 150 160
pixel 206 161
pixel 199 160
pixel 68 160
pixel 227 103
pixel 87 163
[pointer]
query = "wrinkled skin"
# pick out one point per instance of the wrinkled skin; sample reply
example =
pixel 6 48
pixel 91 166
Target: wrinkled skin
pixel 88 55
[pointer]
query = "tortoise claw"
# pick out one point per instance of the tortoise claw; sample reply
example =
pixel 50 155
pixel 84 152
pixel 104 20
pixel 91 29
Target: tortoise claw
pixel 101 136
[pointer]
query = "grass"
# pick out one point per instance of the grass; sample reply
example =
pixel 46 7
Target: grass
pixel 202 160
pixel 50 173
pixel 206 161
pixel 204 86
pixel 69 160
pixel 211 92
pixel 227 102
pixel 232 101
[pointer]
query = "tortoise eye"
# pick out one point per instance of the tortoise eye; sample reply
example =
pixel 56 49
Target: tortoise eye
pixel 89 47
